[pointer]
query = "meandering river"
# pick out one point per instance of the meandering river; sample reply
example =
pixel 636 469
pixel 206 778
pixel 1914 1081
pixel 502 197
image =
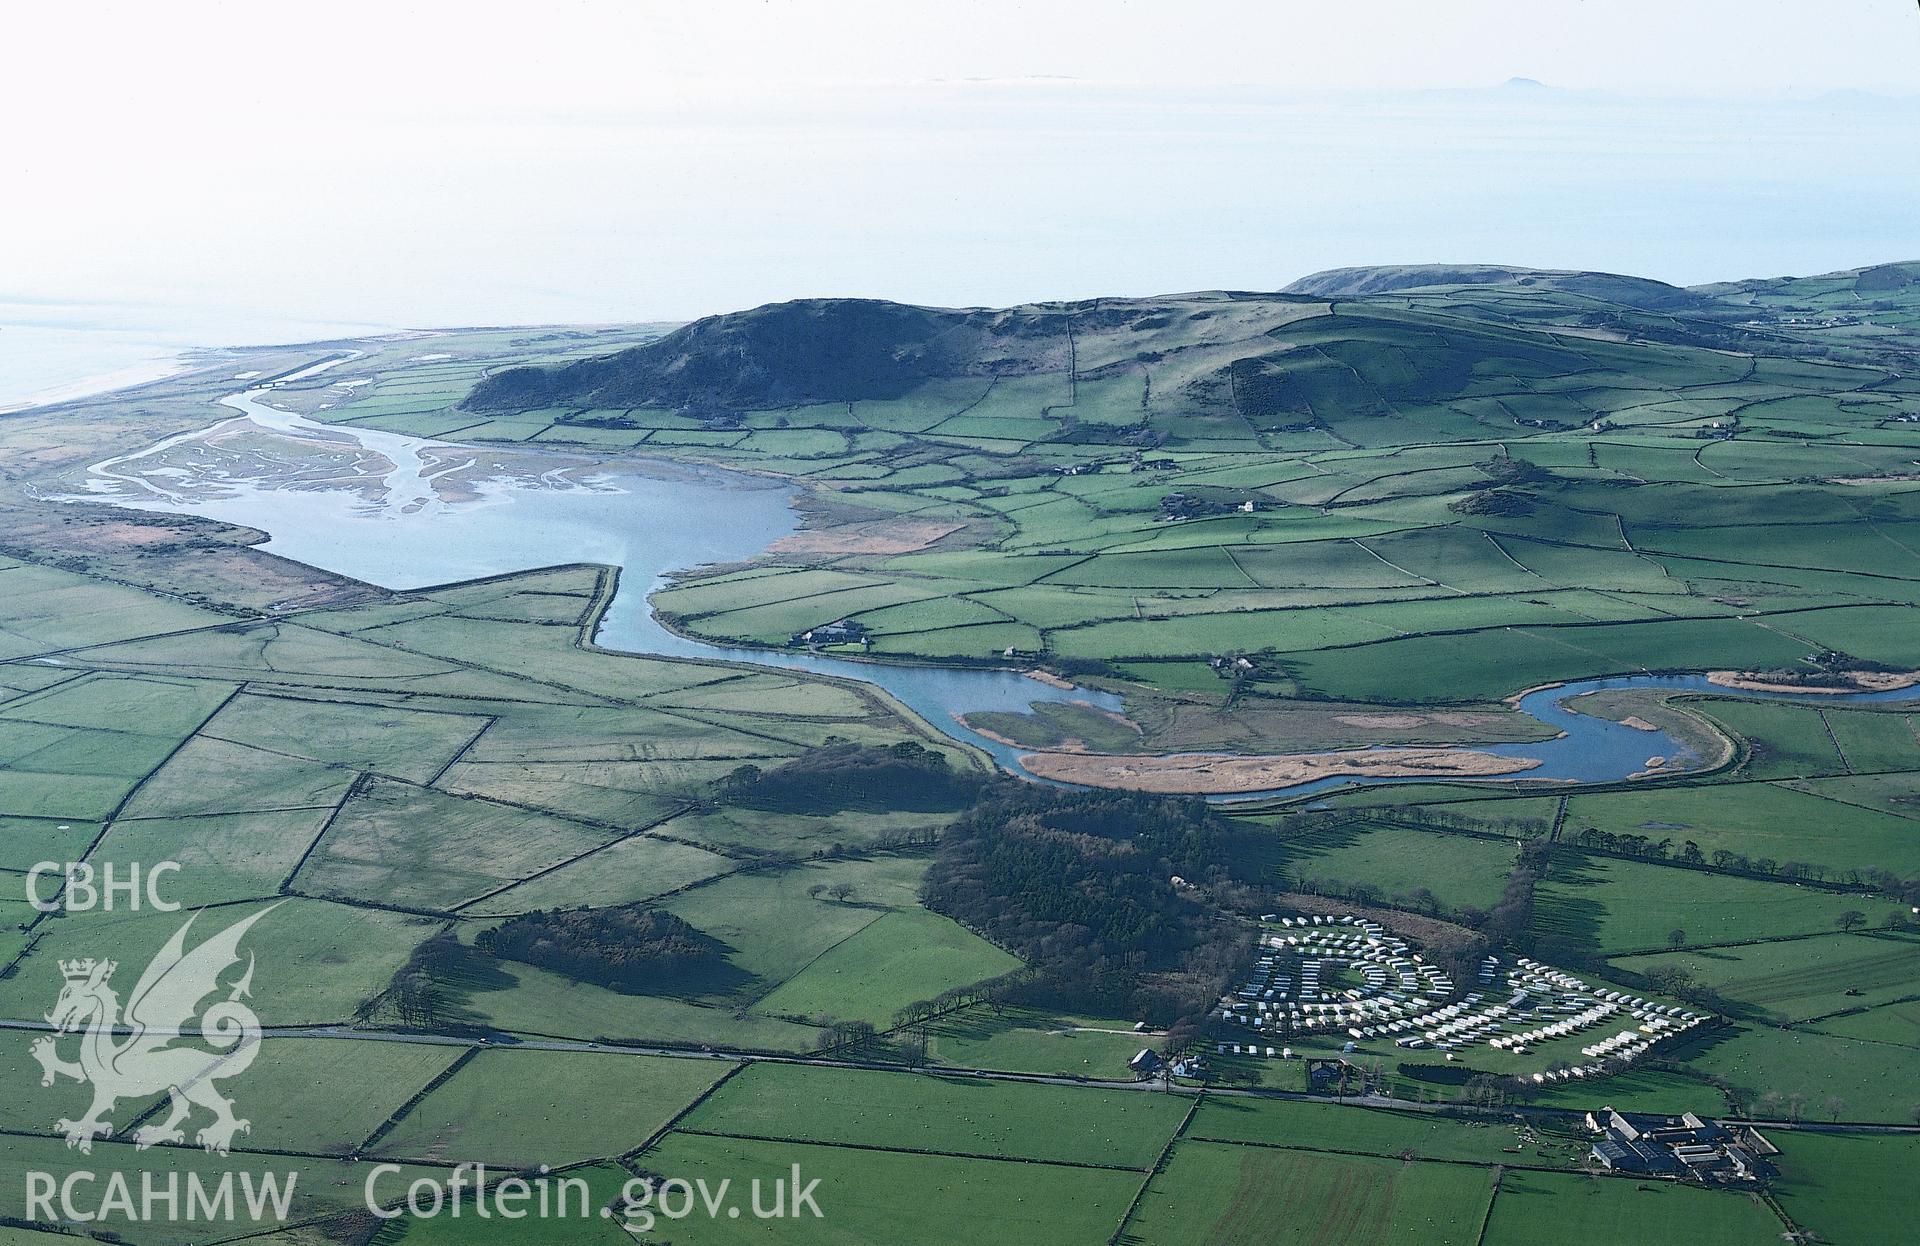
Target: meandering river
pixel 407 512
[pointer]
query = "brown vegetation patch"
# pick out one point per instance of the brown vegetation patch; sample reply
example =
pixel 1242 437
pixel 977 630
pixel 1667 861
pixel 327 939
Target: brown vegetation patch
pixel 1219 773
pixel 879 537
pixel 1844 682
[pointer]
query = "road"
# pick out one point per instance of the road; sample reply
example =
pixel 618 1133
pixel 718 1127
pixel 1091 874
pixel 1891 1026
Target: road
pixel 732 1055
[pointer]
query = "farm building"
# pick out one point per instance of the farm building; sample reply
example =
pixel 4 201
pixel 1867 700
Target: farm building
pixel 838 632
pixel 1684 1147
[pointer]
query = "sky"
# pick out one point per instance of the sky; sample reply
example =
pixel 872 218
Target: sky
pixel 216 172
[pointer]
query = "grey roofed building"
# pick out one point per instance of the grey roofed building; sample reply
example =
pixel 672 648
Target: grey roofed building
pixel 1683 1146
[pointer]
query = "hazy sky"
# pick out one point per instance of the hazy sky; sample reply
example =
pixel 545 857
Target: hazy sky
pixel 215 166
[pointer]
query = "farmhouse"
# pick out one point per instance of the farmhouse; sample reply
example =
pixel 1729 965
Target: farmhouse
pixel 838 632
pixel 1146 1063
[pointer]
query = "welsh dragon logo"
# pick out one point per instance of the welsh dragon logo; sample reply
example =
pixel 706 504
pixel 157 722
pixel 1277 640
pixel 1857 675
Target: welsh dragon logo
pixel 145 1062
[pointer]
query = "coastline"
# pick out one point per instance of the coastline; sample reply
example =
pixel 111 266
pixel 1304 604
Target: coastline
pixel 44 364
pixel 94 385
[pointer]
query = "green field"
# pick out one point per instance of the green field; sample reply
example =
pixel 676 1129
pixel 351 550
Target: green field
pixel 1537 1206
pixel 1640 1090
pixel 451 851
pixel 318 961
pixel 1780 1074
pixel 1848 1189
pixel 903 956
pixel 1368 1131
pixel 1626 906
pixel 881 1197
pixel 1212 1193
pixel 1459 871
pixel 295 1104
pixel 1266 524
pixel 1799 979
pixel 1022 1040
pixel 522 999
pixel 1889 1023
pixel 1758 820
pixel 1784 741
pixel 521 1109
pixel 958 1115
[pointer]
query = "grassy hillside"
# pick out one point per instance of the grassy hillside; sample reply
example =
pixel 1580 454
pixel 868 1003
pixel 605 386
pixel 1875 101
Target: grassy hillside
pixel 1389 278
pixel 1408 485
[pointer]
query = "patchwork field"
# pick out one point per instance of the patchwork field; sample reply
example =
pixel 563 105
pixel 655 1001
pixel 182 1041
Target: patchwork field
pixel 1849 1189
pixel 1759 821
pixel 888 963
pixel 1265 523
pixel 955 1115
pixel 1617 906
pixel 1209 1193
pixel 1780 1074
pixel 1369 1131
pixel 884 1196
pixel 1456 870
pixel 519 1109
pixel 1537 1206
pixel 1799 979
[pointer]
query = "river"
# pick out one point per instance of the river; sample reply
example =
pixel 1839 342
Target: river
pixel 406 512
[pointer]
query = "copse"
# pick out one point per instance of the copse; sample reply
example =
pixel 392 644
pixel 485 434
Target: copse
pixel 904 775
pixel 627 947
pixel 1104 894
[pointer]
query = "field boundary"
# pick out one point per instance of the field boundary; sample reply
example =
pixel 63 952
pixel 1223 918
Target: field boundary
pixel 1155 1169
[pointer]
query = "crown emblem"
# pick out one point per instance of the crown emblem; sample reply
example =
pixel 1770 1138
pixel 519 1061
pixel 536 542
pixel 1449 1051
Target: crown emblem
pixel 81 970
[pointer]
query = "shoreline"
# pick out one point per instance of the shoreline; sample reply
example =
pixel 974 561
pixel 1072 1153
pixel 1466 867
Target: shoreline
pixel 1195 772
pixel 99 384
pixel 168 360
